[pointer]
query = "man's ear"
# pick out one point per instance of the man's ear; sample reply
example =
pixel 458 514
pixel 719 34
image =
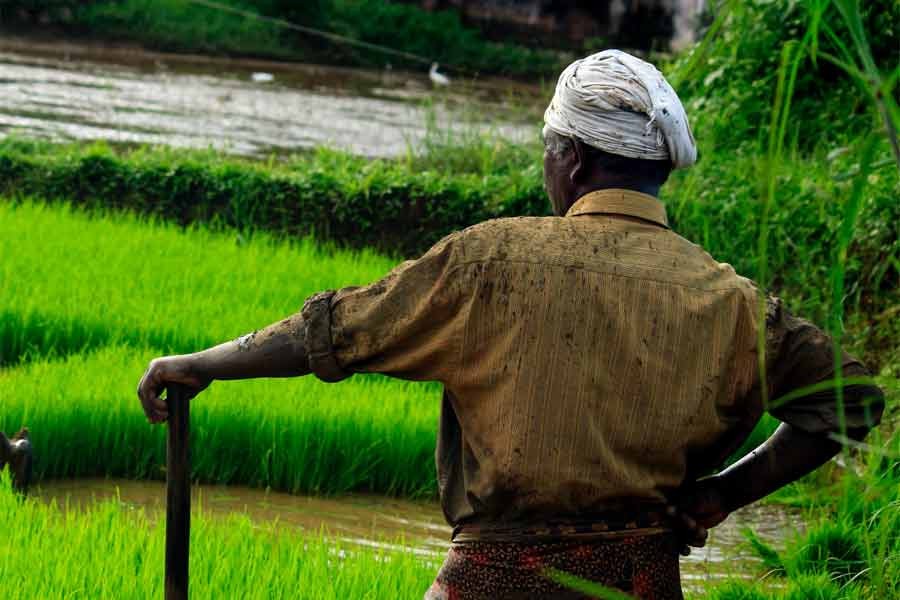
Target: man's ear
pixel 578 157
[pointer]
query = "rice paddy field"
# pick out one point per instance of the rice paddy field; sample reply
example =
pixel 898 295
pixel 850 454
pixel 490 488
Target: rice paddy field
pixel 69 372
pixel 83 329
pixel 231 558
pixel 73 283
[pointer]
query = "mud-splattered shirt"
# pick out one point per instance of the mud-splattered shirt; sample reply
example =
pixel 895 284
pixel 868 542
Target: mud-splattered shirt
pixel 589 362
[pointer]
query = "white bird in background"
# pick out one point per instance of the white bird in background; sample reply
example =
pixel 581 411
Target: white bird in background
pixel 436 78
pixel 262 77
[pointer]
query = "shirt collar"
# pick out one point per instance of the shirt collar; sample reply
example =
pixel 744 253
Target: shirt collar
pixel 620 202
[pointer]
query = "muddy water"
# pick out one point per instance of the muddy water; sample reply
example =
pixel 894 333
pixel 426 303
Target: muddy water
pixel 372 521
pixel 64 91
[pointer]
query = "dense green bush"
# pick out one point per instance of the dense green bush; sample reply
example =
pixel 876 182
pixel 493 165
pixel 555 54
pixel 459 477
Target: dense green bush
pixel 731 76
pixel 332 195
pixel 440 35
pixel 177 25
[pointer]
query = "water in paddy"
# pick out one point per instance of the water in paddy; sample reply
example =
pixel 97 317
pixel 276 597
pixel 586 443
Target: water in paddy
pixel 369 520
pixel 64 91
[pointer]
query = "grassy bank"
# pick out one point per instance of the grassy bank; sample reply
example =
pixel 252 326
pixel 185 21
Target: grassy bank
pixel 108 551
pixel 183 26
pixel 394 206
pixel 365 434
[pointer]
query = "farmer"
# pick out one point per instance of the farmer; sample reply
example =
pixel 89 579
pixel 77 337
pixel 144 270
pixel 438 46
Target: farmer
pixel 596 365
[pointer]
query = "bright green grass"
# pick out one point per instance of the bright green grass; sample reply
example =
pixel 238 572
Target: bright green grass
pixel 72 282
pixel 852 533
pixel 298 435
pixel 108 551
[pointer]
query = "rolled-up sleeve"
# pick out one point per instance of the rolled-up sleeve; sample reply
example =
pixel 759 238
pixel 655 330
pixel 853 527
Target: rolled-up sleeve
pixel 408 324
pixel 800 369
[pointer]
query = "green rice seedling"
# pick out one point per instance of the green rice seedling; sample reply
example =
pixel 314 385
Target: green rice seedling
pixel 772 561
pixel 820 587
pixel 364 434
pixel 85 283
pixel 803 587
pixel 851 539
pixel 736 590
pixel 110 551
pixel 833 548
pixel 117 280
pixel 71 282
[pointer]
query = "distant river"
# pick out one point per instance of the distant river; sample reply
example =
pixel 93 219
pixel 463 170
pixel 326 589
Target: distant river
pixel 65 91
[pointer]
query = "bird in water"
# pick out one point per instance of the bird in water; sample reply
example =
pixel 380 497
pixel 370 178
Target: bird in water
pixel 17 453
pixel 438 79
pixel 262 77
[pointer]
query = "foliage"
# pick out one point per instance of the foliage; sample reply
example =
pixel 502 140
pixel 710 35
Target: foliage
pixel 109 550
pixel 731 75
pixel 179 25
pixel 440 36
pixel 850 546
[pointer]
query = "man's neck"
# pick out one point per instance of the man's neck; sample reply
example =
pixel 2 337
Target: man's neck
pixel 643 187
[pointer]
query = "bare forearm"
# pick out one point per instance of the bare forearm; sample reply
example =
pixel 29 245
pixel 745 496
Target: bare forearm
pixel 276 351
pixel 789 454
pixel 279 350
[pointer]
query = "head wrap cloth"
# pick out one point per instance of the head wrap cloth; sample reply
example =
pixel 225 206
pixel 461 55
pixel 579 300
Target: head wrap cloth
pixel 622 105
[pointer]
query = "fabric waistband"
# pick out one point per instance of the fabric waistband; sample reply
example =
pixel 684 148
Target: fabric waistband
pixel 606 526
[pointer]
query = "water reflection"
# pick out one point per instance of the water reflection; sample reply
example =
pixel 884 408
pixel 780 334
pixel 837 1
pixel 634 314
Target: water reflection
pixel 71 92
pixel 370 520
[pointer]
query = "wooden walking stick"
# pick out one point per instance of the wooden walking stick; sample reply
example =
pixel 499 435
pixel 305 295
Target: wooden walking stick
pixel 178 493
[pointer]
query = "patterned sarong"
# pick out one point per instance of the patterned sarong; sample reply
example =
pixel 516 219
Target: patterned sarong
pixel 641 563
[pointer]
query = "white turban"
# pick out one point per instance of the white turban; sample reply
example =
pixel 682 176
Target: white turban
pixel 622 105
